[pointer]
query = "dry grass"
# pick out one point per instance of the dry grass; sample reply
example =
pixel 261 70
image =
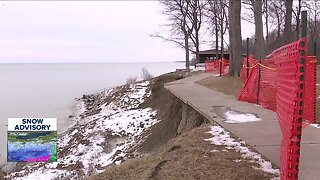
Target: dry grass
pixel 186 157
pixel 226 84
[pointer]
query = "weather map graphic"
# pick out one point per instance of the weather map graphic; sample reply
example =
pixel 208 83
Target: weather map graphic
pixel 32 140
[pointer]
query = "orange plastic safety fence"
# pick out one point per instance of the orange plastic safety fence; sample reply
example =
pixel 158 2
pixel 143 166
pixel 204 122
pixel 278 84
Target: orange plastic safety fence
pixel 214 66
pixel 268 84
pixel 290 60
pixel 288 87
pixel 266 94
pixel 310 91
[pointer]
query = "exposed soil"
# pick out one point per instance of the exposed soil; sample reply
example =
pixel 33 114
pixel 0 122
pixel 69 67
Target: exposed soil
pixel 167 154
pixel 187 157
pixel 168 111
pixel 2 174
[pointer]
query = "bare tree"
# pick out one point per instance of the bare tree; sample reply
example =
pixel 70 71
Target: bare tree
pixel 266 21
pixel 313 26
pixel 195 17
pixel 235 37
pixel 223 23
pixel 287 25
pixel 259 47
pixel 217 11
pixel 212 14
pixel 181 27
pixel 296 12
pixel 276 13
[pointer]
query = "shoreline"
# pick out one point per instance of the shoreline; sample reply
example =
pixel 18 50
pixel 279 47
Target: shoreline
pixel 145 124
pixel 86 112
pixel 78 108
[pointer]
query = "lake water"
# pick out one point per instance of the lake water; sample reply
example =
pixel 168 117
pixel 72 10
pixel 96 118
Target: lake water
pixel 49 90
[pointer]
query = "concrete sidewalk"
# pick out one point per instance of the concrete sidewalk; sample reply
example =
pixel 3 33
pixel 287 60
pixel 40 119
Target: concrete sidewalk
pixel 265 136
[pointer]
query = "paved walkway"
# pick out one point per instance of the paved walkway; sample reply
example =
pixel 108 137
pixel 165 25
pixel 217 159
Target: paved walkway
pixel 264 136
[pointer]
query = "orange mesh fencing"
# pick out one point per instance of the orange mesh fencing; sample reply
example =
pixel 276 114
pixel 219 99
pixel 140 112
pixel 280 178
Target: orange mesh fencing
pixel 310 100
pixel 214 66
pixel 287 85
pixel 267 95
pixel 290 60
pixel 263 91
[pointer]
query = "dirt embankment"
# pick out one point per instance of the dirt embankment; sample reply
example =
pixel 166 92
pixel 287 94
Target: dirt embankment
pixel 186 157
pixel 2 174
pixel 175 147
pixel 170 112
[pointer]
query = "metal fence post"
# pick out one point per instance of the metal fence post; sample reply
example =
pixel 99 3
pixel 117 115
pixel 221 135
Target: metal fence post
pixel 220 66
pixel 259 77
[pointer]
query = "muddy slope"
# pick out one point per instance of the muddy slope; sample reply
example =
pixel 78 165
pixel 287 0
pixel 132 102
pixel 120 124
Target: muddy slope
pixel 168 111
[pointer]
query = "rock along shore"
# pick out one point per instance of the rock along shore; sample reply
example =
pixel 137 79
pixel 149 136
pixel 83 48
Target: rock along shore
pixel 107 132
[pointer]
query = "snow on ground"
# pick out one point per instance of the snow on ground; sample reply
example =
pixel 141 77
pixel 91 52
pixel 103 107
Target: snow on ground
pixel 215 75
pixel 99 139
pixel 233 117
pixel 221 137
pixel 199 68
pixel 315 125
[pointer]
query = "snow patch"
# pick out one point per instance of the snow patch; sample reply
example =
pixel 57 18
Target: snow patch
pixel 42 174
pixel 233 117
pixel 221 137
pixel 100 139
pixel 315 125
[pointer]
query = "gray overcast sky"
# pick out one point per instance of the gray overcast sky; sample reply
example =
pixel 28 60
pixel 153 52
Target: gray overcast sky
pixel 83 31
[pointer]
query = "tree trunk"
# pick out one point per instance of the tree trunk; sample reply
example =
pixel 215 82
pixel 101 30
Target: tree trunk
pixel 221 38
pixel 287 37
pixel 217 36
pixel 197 44
pixel 235 37
pixel 186 43
pixel 197 25
pixel 231 40
pixel 267 26
pixel 279 26
pixel 259 47
pixel 197 50
pixel 298 20
pixel 221 31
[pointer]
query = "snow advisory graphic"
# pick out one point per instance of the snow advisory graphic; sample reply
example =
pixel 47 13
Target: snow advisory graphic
pixel 32 140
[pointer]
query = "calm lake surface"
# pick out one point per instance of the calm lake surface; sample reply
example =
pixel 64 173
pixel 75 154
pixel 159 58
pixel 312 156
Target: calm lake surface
pixel 49 90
